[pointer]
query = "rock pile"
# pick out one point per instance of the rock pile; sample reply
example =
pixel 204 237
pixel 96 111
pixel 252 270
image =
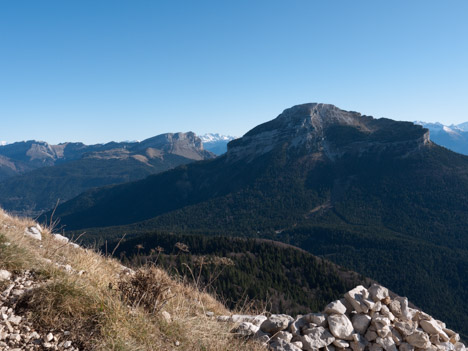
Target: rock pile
pixel 365 319
pixel 16 332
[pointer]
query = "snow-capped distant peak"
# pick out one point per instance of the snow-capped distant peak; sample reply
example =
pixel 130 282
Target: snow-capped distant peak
pixel 450 130
pixel 431 126
pixel 3 143
pixel 212 137
pixel 463 126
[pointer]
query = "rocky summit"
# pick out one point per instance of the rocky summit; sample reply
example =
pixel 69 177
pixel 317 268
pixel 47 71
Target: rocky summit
pixel 363 320
pixel 326 129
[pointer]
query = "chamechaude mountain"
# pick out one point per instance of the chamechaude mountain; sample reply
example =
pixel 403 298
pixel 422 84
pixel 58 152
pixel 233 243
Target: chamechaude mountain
pixel 373 195
pixel 34 175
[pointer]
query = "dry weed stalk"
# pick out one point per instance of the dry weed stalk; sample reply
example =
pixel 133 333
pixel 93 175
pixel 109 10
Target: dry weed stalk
pixel 147 288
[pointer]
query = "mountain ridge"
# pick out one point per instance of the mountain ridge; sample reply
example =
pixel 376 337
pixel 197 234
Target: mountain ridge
pixel 38 175
pixel 355 195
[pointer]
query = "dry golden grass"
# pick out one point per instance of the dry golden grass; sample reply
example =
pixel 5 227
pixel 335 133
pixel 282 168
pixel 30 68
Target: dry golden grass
pixel 87 301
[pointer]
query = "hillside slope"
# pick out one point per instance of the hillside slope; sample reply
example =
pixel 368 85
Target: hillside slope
pixel 59 296
pixel 373 195
pixel 287 279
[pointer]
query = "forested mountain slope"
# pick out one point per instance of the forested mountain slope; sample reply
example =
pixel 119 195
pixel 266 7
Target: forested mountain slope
pixel 374 195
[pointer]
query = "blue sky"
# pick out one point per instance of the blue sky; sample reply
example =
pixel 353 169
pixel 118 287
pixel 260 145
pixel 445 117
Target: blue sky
pixel 96 71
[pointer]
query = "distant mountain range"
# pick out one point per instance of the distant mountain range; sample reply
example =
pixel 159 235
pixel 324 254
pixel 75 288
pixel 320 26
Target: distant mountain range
pixel 216 143
pixel 453 137
pixel 374 195
pixel 35 175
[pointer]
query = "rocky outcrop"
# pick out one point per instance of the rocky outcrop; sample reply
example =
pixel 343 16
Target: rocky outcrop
pixel 365 319
pixel 329 132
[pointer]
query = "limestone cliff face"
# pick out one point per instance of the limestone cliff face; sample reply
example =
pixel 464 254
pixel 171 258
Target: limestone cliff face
pixel 21 157
pixel 329 132
pixel 187 145
pixel 33 175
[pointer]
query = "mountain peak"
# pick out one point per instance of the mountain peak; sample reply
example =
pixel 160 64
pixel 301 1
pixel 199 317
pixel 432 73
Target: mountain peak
pixel 328 130
pixel 183 144
pixel 311 117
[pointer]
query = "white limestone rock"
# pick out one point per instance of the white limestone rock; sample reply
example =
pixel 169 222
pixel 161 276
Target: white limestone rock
pixel 347 304
pixel 340 326
pixel 378 292
pixel 15 320
pixel 432 327
pixel 419 339
pixel 446 346
pixel 34 232
pixel 406 328
pixel 377 307
pixel 405 313
pixel 317 338
pixel 335 307
pixel 261 337
pixel 361 322
pixel 298 344
pixel 60 238
pixel 381 323
pixel 455 338
pixel 256 320
pixel 166 316
pixel 67 344
pixel 375 347
pixel 396 336
pixel 449 332
pixel 223 318
pixel 4 275
pixel 359 343
pixel 387 343
pixel 420 316
pixel 320 319
pixel 246 329
pixel 282 345
pixel 341 344
pixel 283 335
pixel 371 335
pixel 395 308
pixel 275 323
pixel 296 326
pixel 358 297
pixel 404 346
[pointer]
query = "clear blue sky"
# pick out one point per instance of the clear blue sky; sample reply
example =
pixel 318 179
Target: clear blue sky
pixel 96 71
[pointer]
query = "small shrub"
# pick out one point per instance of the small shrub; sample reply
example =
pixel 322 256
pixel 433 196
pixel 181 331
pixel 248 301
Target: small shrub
pixel 147 288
